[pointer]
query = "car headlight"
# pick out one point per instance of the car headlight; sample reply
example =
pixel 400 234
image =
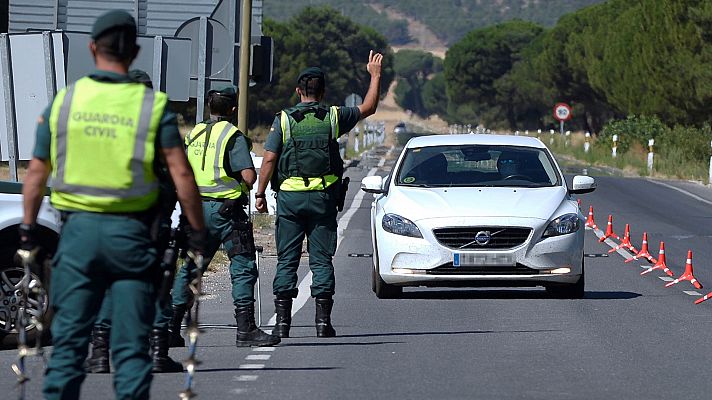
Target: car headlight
pixel 565 224
pixel 398 225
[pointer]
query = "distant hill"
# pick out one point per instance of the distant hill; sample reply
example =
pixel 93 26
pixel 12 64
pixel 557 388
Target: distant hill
pixel 448 20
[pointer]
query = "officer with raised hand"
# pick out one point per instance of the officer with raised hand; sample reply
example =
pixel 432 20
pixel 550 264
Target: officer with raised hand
pixel 98 361
pixel 302 160
pixel 100 141
pixel 220 156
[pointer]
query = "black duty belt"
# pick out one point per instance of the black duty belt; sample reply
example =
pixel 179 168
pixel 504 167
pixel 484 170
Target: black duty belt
pixel 213 199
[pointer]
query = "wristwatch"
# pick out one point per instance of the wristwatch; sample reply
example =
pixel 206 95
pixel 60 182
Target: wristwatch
pixel 260 196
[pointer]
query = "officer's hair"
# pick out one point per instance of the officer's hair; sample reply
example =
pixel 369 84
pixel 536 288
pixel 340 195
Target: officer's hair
pixel 312 86
pixel 220 105
pixel 118 44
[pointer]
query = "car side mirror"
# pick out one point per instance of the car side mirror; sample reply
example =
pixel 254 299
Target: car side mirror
pixel 583 184
pixel 372 184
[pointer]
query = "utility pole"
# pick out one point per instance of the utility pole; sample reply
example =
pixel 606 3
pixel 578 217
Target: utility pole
pixel 244 77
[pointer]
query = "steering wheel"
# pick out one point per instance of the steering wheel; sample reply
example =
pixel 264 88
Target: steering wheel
pixel 517 176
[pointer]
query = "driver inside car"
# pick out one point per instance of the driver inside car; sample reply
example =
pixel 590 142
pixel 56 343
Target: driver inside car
pixel 508 165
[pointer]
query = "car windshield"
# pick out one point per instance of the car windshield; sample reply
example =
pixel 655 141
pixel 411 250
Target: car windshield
pixel 477 165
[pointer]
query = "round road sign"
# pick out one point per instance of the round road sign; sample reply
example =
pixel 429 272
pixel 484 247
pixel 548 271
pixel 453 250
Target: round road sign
pixel 562 112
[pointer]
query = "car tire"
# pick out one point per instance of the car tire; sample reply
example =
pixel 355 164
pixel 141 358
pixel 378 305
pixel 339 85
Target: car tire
pixel 569 291
pixel 10 273
pixel 384 290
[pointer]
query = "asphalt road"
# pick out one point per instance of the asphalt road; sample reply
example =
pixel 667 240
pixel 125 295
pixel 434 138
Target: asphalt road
pixel 628 338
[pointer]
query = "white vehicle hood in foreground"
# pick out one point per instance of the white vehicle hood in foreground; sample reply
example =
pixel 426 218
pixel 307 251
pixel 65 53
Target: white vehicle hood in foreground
pixel 421 203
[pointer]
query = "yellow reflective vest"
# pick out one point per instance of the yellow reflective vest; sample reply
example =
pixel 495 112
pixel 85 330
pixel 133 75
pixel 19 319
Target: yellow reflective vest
pixel 103 146
pixel 206 147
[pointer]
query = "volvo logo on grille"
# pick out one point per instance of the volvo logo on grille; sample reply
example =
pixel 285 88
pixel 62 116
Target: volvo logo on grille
pixel 483 237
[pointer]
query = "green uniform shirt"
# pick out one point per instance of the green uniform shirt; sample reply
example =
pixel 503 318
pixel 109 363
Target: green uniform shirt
pixel 348 118
pixel 167 136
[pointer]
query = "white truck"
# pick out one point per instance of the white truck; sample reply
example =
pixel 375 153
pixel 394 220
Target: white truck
pixel 48 222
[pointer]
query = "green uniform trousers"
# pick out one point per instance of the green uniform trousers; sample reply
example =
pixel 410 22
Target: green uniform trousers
pixel 97 252
pixel 310 213
pixel 243 270
pixel 103 320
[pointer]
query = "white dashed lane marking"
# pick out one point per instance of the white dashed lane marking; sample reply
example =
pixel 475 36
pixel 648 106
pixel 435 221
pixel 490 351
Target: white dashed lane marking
pixel 260 357
pixel 692 292
pixel 666 278
pixel 252 366
pixel 246 378
pixel 263 349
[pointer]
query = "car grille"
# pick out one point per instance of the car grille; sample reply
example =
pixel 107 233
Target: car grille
pixel 463 238
pixel 448 269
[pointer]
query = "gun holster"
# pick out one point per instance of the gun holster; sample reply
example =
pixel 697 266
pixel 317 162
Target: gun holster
pixel 242 236
pixel 343 188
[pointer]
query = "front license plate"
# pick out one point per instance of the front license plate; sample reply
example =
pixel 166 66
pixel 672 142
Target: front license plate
pixel 476 260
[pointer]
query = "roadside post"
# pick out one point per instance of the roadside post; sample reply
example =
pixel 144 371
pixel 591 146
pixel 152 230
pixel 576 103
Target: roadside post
pixel 651 154
pixel 568 134
pixel 551 136
pixel 538 133
pixel 710 175
pixel 614 149
pixel 587 143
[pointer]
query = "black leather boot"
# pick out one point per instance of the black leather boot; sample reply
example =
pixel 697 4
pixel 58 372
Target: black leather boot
pixel 174 337
pixel 159 353
pixel 323 318
pixel 283 307
pixel 248 334
pixel 98 361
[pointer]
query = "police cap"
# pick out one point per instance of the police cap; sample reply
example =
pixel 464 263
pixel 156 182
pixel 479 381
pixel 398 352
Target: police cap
pixel 311 72
pixel 228 91
pixel 140 76
pixel 111 20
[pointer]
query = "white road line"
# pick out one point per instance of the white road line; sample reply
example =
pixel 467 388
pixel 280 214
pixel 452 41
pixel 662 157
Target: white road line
pixel 258 357
pixel 251 366
pixel 246 378
pixel 666 278
pixel 263 348
pixel 683 191
pixel 645 266
pixel 304 293
pixel 692 292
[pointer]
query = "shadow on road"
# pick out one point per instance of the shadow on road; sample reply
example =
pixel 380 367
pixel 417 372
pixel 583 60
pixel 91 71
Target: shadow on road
pixel 509 295
pixel 322 344
pixel 448 333
pixel 267 369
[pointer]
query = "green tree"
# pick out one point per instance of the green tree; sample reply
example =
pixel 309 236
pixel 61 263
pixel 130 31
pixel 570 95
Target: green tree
pixel 414 68
pixel 434 95
pixel 325 38
pixel 474 65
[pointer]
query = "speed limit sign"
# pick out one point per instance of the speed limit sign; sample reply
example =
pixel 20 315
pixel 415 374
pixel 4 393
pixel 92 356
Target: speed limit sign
pixel 562 112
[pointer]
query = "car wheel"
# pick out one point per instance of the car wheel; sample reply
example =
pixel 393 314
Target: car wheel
pixel 384 290
pixel 38 303
pixel 569 291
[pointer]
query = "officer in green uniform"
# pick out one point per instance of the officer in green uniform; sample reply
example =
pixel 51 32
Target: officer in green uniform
pixel 99 141
pixel 222 164
pixel 98 361
pixel 302 160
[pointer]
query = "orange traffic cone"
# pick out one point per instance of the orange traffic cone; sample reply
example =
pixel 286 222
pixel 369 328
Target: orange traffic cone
pixel 609 230
pixel 589 222
pixel 704 298
pixel 688 275
pixel 625 244
pixel 660 264
pixel 643 253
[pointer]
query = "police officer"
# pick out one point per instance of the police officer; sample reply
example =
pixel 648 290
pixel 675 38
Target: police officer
pixel 302 159
pixel 98 361
pixel 99 141
pixel 222 164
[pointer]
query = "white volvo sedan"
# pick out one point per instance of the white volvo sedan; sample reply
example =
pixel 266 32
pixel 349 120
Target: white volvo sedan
pixel 477 210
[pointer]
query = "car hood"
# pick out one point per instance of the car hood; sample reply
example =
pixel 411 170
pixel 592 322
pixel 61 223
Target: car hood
pixel 423 203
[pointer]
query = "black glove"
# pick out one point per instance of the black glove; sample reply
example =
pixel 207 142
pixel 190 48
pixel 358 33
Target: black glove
pixel 197 240
pixel 27 236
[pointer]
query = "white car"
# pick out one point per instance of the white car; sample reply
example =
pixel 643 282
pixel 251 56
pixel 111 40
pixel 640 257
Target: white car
pixel 477 210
